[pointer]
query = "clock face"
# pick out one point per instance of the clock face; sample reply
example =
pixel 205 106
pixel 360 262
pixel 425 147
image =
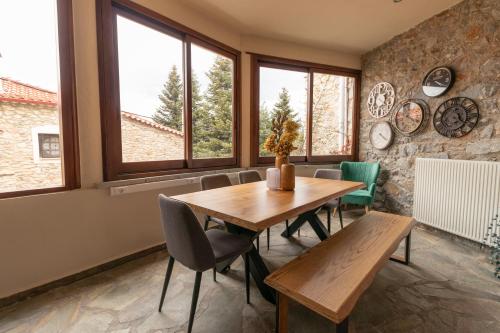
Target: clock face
pixel 381 135
pixel 438 81
pixel 411 117
pixel 456 117
pixel 381 100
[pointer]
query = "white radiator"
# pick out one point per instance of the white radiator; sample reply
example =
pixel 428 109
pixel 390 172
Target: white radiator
pixel 460 197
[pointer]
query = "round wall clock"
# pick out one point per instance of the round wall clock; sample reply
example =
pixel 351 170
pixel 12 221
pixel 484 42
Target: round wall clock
pixel 381 100
pixel 438 81
pixel 456 117
pixel 411 117
pixel 381 135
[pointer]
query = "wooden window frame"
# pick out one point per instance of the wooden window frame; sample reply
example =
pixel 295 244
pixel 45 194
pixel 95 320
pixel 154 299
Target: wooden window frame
pixel 260 60
pixel 113 165
pixel 70 164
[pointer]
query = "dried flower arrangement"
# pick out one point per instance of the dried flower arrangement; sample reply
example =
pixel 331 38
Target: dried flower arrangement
pixel 284 133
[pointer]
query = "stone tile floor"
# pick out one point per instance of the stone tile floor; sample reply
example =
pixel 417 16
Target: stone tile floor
pixel 447 288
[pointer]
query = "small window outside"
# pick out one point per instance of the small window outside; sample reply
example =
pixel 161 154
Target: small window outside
pixel 49 145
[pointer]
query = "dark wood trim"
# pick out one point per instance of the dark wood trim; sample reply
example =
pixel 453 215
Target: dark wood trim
pixel 18 297
pixel 67 107
pixel 114 167
pixel 310 92
pixel 259 60
pixel 278 61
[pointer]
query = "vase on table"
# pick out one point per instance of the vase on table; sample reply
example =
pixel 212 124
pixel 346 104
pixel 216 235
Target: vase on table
pixel 287 179
pixel 279 161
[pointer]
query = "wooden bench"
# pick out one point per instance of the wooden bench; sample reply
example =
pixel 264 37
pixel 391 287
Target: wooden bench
pixel 330 277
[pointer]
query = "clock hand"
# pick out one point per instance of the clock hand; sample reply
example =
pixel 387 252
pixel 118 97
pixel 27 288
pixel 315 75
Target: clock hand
pixel 437 82
pixel 383 137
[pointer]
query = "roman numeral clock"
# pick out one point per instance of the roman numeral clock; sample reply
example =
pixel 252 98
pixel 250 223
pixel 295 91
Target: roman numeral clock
pixel 456 117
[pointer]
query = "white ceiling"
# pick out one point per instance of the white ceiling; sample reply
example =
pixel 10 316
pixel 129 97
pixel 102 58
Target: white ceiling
pixel 354 26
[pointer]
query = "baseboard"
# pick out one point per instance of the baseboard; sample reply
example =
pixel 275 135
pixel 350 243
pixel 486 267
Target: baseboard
pixel 77 276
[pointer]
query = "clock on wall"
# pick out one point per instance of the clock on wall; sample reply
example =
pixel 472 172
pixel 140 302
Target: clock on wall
pixel 456 117
pixel 411 117
pixel 438 81
pixel 381 135
pixel 381 100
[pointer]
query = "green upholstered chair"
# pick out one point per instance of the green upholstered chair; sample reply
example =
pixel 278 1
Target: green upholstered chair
pixel 361 172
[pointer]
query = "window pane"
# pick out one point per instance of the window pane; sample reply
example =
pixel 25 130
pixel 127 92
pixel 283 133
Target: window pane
pixel 282 91
pixel 29 90
pixel 151 93
pixel 212 96
pixel 333 108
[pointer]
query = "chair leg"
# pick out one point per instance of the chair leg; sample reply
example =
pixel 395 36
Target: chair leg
pixel 207 218
pixel 165 282
pixel 268 237
pixel 196 292
pixel 340 217
pixel 258 243
pixel 329 219
pixel 367 209
pixel 287 231
pixel 247 276
pixel 215 275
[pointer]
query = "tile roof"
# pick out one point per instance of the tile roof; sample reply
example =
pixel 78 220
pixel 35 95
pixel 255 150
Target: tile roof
pixel 18 92
pixel 149 122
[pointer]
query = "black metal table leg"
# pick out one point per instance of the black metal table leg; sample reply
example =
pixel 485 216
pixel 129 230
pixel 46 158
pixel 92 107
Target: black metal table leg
pixel 258 268
pixel 312 218
pixel 406 259
pixel 343 327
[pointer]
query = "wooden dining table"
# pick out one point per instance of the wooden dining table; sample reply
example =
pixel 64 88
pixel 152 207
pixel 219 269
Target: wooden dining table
pixel 249 209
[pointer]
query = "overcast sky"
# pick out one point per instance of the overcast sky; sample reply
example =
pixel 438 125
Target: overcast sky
pixel 28 46
pixel 28 42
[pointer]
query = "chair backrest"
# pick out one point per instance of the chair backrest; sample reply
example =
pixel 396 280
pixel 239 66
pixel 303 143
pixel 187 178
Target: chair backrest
pixel 360 172
pixel 250 176
pixel 186 240
pixel 214 181
pixel 328 174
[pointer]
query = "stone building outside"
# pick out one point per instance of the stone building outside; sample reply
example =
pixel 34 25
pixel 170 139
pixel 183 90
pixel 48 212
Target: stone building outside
pixel 29 138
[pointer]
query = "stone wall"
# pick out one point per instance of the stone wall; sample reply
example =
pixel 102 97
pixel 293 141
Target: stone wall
pixel 143 142
pixel 18 168
pixel 467 38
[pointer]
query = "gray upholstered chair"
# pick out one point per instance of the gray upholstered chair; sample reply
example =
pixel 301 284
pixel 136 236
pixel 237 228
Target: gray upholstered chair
pixel 210 182
pixel 196 249
pixel 333 204
pixel 252 176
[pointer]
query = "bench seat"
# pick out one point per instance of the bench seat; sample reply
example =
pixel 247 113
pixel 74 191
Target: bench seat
pixel 331 276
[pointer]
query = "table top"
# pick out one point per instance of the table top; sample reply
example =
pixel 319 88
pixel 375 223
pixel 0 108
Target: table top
pixel 253 206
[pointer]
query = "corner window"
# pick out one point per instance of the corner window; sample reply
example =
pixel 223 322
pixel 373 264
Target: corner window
pixel 37 102
pixel 172 94
pixel 322 99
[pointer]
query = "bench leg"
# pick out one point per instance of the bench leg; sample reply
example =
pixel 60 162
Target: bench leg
pixel 281 313
pixel 406 259
pixel 343 327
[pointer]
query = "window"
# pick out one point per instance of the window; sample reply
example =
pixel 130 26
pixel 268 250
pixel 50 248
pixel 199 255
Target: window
pixel 171 100
pixel 322 99
pixel 37 102
pixel 48 145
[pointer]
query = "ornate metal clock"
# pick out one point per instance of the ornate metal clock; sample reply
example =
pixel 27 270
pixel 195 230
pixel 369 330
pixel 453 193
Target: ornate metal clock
pixel 438 81
pixel 456 117
pixel 411 117
pixel 381 135
pixel 381 99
